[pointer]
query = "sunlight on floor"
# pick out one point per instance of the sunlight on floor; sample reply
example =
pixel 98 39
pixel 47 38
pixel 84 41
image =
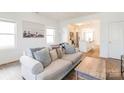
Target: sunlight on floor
pixel 11 71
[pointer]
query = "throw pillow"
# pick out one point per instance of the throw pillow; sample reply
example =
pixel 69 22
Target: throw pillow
pixel 69 49
pixel 53 54
pixel 30 51
pixel 60 52
pixel 43 56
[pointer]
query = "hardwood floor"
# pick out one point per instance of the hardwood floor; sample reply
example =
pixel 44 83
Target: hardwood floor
pixel 93 53
pixel 11 71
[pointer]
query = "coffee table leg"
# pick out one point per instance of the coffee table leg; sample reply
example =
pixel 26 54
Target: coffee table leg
pixel 76 75
pixel 122 66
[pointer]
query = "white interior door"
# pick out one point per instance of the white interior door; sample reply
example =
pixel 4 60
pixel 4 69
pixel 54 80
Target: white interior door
pixel 116 40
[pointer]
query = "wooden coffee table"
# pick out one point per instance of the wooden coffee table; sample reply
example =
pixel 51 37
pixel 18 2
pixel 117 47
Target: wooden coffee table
pixel 91 69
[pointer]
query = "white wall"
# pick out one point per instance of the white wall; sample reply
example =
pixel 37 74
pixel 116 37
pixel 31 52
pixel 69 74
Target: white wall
pixel 105 20
pixel 9 55
pixel 97 32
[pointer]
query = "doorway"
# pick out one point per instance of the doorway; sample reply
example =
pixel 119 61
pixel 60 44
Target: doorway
pixel 86 36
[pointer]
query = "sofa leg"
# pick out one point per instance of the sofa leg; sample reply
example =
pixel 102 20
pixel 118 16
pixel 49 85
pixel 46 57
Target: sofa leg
pixel 23 78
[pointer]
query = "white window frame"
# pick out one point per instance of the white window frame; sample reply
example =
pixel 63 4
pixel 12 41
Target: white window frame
pixel 15 37
pixel 51 35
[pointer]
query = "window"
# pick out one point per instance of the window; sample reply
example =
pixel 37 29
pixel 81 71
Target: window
pixel 50 35
pixel 88 36
pixel 7 34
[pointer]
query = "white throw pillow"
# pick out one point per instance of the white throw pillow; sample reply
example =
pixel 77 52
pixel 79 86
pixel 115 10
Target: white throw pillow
pixel 53 54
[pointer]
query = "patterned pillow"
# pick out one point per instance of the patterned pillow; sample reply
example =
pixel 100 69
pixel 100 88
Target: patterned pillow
pixel 53 54
pixel 60 52
pixel 43 56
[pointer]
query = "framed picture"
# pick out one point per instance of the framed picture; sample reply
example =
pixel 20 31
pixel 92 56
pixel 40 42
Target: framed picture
pixel 33 30
pixel 71 35
pixel 72 38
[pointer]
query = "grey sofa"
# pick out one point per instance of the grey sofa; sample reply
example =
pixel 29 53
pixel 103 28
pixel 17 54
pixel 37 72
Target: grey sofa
pixel 33 70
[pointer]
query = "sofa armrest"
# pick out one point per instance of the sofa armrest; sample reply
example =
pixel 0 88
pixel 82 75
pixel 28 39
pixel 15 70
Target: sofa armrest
pixel 32 65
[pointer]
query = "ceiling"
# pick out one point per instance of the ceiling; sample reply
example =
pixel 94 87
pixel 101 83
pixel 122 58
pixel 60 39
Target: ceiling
pixel 61 16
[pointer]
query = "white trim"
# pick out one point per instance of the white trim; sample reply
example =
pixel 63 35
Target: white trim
pixel 7 20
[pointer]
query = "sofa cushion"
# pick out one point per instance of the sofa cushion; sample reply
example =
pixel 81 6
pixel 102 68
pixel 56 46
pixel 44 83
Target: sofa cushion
pixel 72 57
pixel 30 51
pixel 43 56
pixel 53 54
pixel 69 49
pixel 55 69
